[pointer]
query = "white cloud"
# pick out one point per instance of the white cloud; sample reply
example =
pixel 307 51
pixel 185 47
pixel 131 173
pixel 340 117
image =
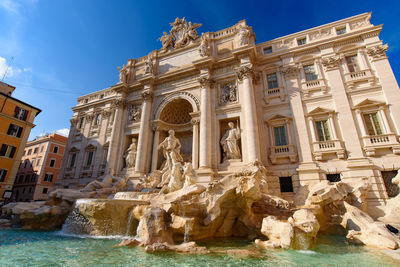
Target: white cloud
pixel 3 68
pixel 64 132
pixel 10 6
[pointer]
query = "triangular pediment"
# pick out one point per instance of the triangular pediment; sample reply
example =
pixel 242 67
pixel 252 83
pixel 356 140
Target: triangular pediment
pixel 320 110
pixel 369 102
pixel 278 117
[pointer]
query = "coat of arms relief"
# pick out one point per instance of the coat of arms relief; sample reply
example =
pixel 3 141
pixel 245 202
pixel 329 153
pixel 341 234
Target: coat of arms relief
pixel 181 34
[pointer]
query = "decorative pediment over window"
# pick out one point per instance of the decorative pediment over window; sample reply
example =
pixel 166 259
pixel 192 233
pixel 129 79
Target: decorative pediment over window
pixel 320 111
pixel 369 103
pixel 91 147
pixel 74 149
pixel 278 118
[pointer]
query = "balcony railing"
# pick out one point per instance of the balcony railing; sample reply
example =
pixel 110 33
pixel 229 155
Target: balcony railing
pixel 315 85
pixel 373 142
pixel 328 147
pixel 287 151
pixel 274 93
pixel 358 76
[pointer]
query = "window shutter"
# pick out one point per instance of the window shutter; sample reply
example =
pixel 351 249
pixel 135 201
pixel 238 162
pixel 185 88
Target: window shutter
pixel 3 150
pixel 19 131
pixel 12 151
pixel 10 129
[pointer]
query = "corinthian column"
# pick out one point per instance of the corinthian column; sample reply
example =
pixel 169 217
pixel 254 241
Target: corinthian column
pixel 245 75
pixel 144 131
pixel 205 122
pixel 112 156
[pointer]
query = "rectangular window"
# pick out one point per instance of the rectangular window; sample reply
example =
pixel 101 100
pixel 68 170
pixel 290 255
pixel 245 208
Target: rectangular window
pixel 33 178
pixel 89 158
pixel 7 151
pixel 372 123
pixel 323 130
pixel 80 125
pixel 3 174
pixel 333 177
pixel 44 190
pixel 286 184
pixel 97 119
pixel 55 149
pixel 25 163
pixel 48 177
pixel 352 64
pixel 14 130
pixel 267 50
pixel 27 178
pixel 301 41
pixel 32 162
pixel 20 113
pixel 340 31
pixel 280 136
pixel 29 152
pixel 311 75
pixel 38 161
pixel 20 178
pixel 52 162
pixel 35 150
pixel 41 149
pixel 272 80
pixel 72 162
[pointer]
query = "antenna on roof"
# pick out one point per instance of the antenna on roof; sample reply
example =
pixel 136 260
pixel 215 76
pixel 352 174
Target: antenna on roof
pixel 9 66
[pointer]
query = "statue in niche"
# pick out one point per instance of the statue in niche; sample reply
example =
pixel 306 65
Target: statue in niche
pixel 171 150
pixel 230 143
pixel 244 35
pixel 122 74
pixel 130 154
pixel 148 68
pixel 228 93
pixel 134 113
pixel 203 47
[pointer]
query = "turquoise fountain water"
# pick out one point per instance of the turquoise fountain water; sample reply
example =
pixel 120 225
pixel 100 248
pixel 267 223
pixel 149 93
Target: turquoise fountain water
pixel 34 248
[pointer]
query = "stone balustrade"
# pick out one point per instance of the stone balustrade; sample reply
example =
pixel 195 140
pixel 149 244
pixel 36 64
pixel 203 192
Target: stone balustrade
pixel 321 148
pixel 280 152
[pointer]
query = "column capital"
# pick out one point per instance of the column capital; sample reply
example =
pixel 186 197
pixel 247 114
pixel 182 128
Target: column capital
pixel 118 103
pixel 206 81
pixel 147 95
pixel 331 63
pixel 378 52
pixel 357 111
pixel 289 71
pixel 245 72
pixel 195 121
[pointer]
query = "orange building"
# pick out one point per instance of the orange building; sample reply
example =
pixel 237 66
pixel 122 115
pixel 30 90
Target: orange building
pixel 16 122
pixel 39 167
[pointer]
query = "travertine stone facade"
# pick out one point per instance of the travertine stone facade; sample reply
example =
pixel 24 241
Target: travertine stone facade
pixel 318 104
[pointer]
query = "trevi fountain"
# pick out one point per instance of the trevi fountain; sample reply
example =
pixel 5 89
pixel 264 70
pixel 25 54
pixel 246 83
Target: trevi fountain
pixel 199 190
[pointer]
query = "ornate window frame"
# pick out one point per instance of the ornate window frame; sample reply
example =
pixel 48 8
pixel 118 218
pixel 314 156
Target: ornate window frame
pixel 308 87
pixel 278 92
pixel 332 146
pixel 286 151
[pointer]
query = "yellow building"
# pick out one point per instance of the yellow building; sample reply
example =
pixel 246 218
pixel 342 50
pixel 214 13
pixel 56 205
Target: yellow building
pixel 16 122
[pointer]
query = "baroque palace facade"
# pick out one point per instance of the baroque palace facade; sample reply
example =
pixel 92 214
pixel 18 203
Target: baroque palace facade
pixel 315 105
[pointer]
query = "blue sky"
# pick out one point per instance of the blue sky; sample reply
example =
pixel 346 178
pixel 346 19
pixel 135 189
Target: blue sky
pixel 65 49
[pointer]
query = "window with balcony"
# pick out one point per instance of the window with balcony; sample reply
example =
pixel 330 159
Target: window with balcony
pixel 89 158
pixel 72 160
pixel 272 80
pixel 7 151
pixel 20 113
pixel 15 130
pixel 3 174
pixel 372 124
pixel 352 63
pixel 310 73
pixel 280 136
pixel 323 130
